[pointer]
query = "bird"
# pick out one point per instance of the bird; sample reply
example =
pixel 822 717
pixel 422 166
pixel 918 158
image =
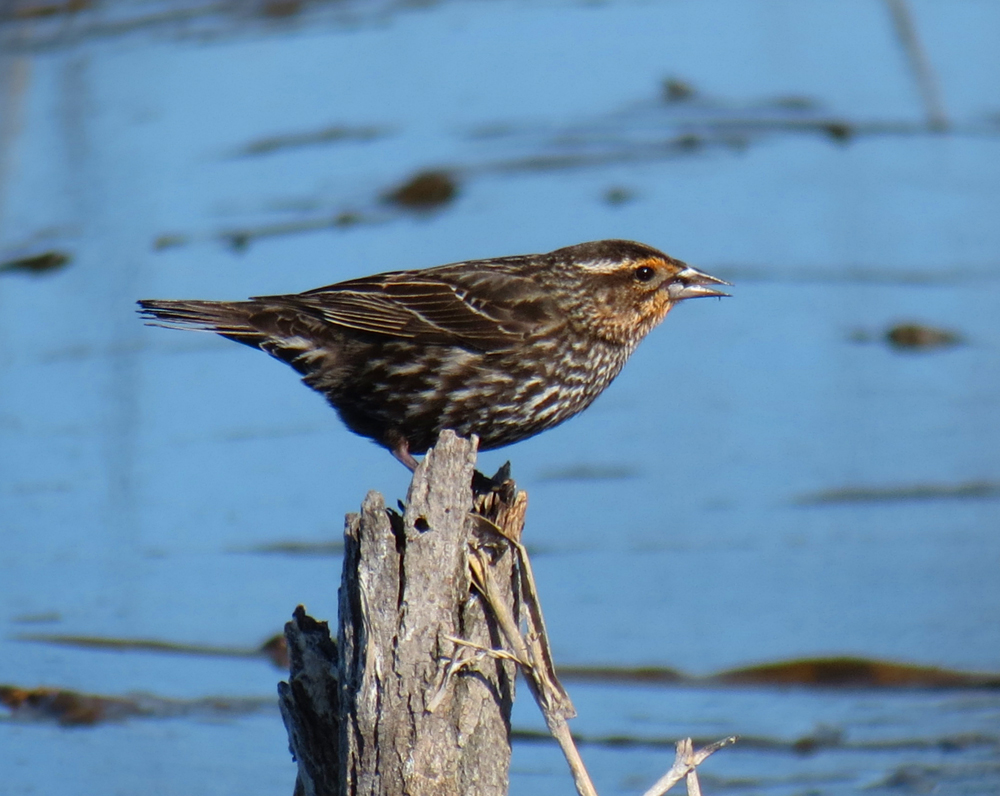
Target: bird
pixel 502 348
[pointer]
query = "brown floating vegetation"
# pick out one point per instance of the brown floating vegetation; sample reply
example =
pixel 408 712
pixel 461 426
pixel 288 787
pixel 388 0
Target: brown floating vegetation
pixel 970 490
pixel 638 675
pixel 849 672
pixel 37 263
pixel 911 336
pixel 69 708
pixel 240 239
pixel 328 135
pixel 38 10
pixel 425 191
pixel 841 132
pixel 39 618
pixel 268 650
pixel 169 241
pixel 76 709
pixel 832 672
pixel 190 19
pixel 422 193
pixel 297 548
pixel 277 9
pixel 676 90
pixel 589 472
pixel 618 195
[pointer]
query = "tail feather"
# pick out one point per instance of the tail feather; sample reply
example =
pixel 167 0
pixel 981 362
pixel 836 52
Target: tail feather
pixel 276 325
pixel 229 318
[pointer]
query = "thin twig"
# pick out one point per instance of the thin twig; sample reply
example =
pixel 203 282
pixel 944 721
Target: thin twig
pixel 532 652
pixel 531 647
pixel 559 728
pixel 927 83
pixel 685 763
pixel 537 632
pixel 693 786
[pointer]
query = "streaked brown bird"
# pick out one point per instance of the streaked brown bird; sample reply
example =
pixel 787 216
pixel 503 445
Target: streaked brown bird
pixel 502 348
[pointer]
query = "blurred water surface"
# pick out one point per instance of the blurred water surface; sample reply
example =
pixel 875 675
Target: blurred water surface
pixel 709 511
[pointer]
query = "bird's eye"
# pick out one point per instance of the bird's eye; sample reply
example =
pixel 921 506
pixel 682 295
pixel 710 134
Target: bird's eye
pixel 644 273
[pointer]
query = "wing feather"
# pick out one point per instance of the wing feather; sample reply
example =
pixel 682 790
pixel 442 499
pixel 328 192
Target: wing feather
pixel 471 304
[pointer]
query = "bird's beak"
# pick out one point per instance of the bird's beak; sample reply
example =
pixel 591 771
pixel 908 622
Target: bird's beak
pixel 691 283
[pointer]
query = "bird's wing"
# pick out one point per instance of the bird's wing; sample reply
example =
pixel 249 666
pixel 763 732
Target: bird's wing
pixel 481 308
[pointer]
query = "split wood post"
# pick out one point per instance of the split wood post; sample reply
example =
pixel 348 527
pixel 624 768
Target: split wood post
pixel 396 705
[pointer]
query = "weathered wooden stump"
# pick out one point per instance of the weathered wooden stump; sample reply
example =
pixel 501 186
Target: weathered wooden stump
pixel 397 705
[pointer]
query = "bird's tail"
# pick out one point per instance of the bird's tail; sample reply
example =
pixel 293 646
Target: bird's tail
pixel 229 318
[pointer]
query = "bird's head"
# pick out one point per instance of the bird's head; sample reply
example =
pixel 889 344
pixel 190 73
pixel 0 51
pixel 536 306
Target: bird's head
pixel 626 288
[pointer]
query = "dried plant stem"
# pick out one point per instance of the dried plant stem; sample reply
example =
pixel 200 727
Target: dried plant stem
pixel 685 763
pixel 532 652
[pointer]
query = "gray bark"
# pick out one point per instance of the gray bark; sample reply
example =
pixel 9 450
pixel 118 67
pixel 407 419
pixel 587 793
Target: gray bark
pixel 382 711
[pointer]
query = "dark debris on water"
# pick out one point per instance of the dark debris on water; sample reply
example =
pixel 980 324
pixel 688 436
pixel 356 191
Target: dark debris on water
pixel 76 709
pixel 327 135
pixel 918 336
pixel 43 263
pixel 968 490
pixel 273 649
pixel 425 191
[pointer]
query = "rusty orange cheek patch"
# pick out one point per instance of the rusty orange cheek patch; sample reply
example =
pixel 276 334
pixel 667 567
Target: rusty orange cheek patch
pixel 622 322
pixel 657 307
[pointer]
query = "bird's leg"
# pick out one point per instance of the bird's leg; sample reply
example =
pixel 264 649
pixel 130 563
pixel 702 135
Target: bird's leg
pixel 401 450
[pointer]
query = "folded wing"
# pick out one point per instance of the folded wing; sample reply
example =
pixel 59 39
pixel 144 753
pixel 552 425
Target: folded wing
pixel 478 308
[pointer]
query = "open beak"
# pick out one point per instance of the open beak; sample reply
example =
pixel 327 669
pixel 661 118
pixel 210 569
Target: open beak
pixel 691 283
